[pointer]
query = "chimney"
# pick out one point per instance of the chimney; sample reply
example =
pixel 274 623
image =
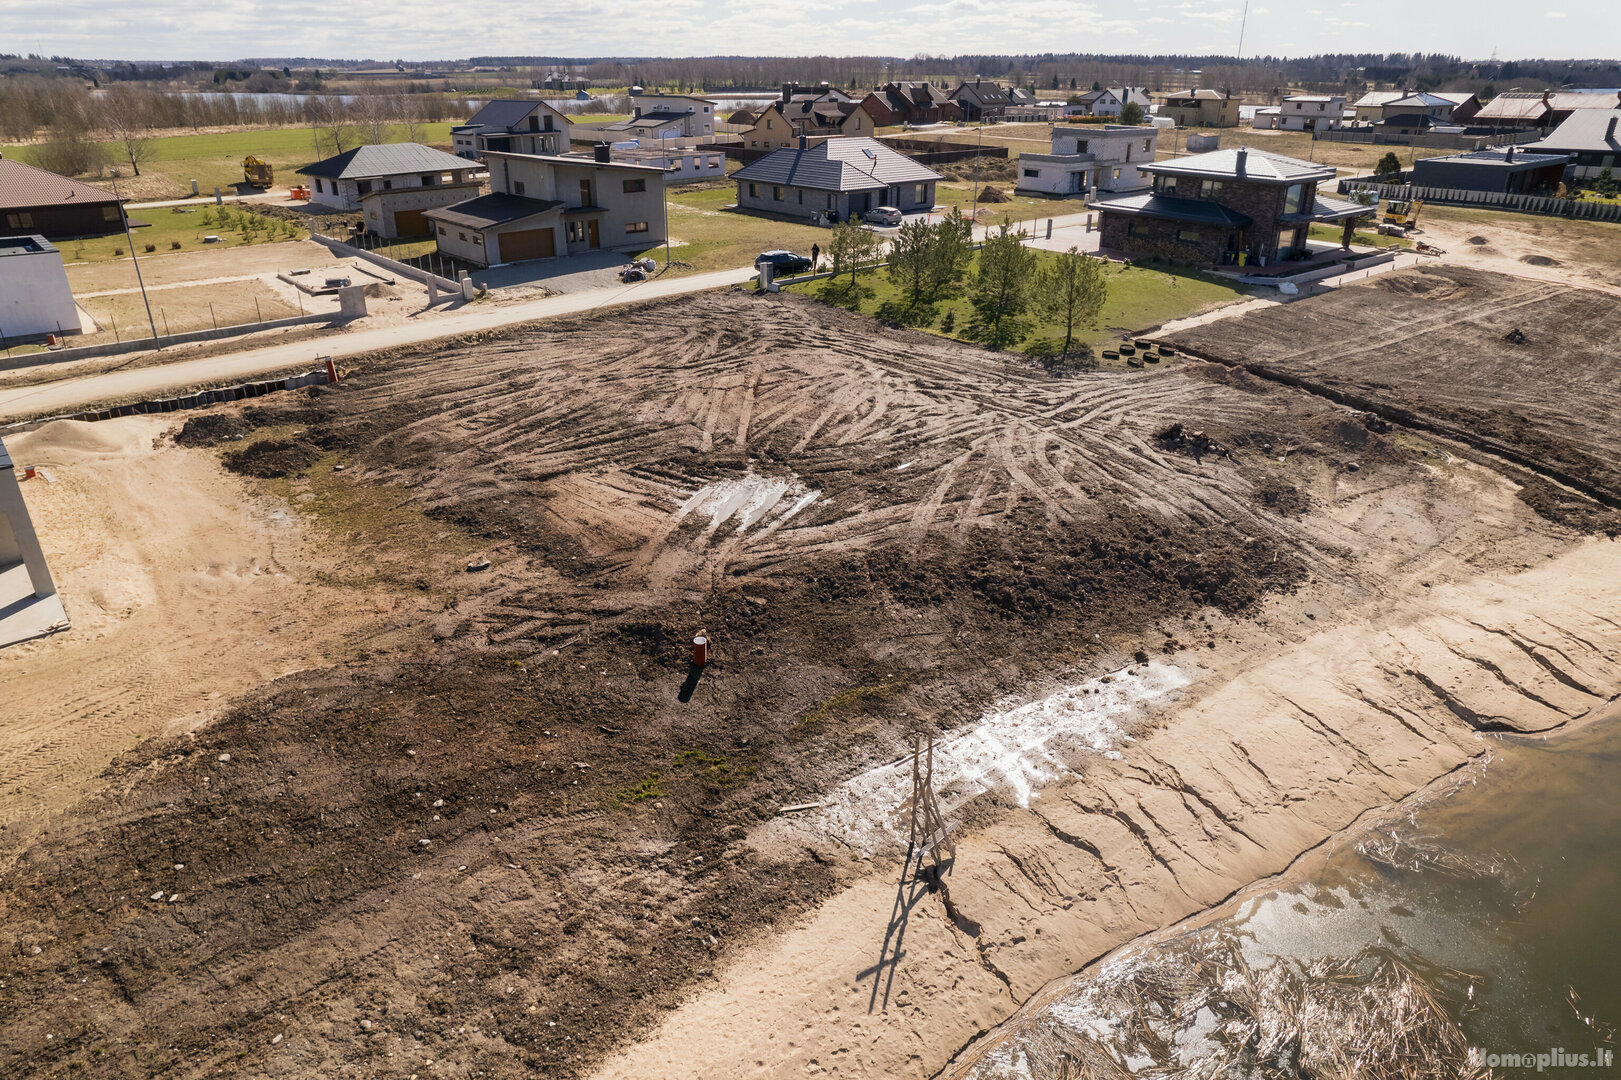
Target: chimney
pixel 1510 155
pixel 802 140
pixel 1243 155
pixel 603 153
pixel 788 89
pixel 1545 97
pixel 1609 131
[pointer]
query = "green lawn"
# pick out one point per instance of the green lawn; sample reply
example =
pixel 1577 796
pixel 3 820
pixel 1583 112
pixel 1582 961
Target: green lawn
pixel 1139 297
pixel 1018 208
pixel 216 160
pixel 166 228
pixel 707 236
pixel 1367 237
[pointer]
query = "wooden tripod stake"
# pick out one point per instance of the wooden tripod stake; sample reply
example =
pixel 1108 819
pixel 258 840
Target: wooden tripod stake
pixel 929 833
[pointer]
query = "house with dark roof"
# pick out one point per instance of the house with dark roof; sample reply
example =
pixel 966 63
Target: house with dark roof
pixel 545 205
pixel 807 116
pixel 980 100
pixel 391 185
pixel 1591 138
pixel 1509 170
pixel 34 202
pixel 1545 109
pixel 1109 101
pixel 1209 209
pixel 1201 108
pixel 513 125
pixel 910 103
pixel 835 180
pixel 1372 107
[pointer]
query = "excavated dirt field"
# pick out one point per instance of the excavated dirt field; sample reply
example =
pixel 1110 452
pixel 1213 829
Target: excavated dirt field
pixel 507 853
pixel 1520 368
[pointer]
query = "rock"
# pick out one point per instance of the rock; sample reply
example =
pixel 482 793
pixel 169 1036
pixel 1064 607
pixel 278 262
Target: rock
pixel 438 802
pixel 276 1040
pixel 366 1024
pixel 174 897
pixel 1352 466
pixel 157 895
pixel 424 843
pixel 179 866
pixel 225 757
pixel 478 565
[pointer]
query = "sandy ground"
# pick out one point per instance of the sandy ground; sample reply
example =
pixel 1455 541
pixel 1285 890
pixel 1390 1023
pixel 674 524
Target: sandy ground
pixel 530 848
pixel 1586 254
pixel 184 592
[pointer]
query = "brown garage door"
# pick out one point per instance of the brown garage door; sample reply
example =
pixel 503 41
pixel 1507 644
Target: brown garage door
pixel 528 244
pixel 410 223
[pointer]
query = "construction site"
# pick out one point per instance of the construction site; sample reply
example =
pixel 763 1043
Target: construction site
pixel 736 686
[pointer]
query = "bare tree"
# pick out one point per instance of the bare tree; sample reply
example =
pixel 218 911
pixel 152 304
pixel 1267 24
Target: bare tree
pixel 331 122
pixel 126 116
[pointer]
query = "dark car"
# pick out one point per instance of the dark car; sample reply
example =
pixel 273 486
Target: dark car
pixel 783 262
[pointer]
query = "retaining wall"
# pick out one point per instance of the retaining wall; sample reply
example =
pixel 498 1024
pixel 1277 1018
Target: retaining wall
pixel 114 348
pixel 338 247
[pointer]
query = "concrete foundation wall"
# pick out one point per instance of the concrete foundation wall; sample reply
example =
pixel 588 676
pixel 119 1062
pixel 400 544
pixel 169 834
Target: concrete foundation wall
pixel 34 293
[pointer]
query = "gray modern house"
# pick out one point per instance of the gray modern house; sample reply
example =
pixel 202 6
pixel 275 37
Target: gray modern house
pixel 1592 138
pixel 834 180
pixel 1510 170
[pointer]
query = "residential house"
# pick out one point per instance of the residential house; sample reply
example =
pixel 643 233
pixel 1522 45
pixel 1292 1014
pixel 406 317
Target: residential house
pixel 980 100
pixel 667 117
pixel 512 125
pixel 1088 160
pixel 1312 112
pixel 391 185
pixel 1545 110
pixel 1591 137
pixel 1269 117
pixel 1109 101
pixel 910 103
pixel 35 298
pixel 36 202
pixel 1371 107
pixel 783 123
pixel 681 164
pixel 1201 108
pixel 1210 209
pixel 1505 169
pixel 541 205
pixel 835 179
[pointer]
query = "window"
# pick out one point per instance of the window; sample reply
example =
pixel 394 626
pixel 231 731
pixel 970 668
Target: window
pixel 768 124
pixel 754 191
pixel 1294 199
pixel 441 230
pixel 921 195
pixel 1164 185
pixel 1320 108
pixel 1138 228
pixel 636 226
pixel 776 192
pixel 428 181
pixel 1188 236
pixel 363 187
pixel 461 235
pixel 318 186
pixel 20 221
pixel 534 123
pixel 1148 145
pixel 1080 146
pixel 587 196
pixel 517 187
pixel 636 185
pixel 576 232
pixel 478 238
pixel 388 185
pixel 109 213
pixel 1211 189
pixel 801 196
pixel 1117 174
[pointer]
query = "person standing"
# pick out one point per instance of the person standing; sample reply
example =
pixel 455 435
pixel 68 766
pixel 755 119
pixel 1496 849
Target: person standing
pixel 816 256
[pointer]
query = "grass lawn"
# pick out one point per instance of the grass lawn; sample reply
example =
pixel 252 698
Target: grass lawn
pixel 1139 297
pixel 708 237
pixel 1367 237
pixel 1018 208
pixel 216 160
pixel 167 228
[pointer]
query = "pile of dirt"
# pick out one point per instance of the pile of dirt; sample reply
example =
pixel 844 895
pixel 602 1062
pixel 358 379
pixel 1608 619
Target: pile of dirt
pixel 1479 241
pixel 211 429
pixel 269 458
pixel 1540 260
pixel 989 194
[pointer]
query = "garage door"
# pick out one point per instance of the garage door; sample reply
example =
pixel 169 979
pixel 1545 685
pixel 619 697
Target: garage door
pixel 528 244
pixel 410 223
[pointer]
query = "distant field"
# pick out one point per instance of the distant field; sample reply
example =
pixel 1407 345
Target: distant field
pixel 216 160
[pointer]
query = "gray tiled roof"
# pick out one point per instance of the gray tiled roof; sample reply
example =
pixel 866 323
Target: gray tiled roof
pixel 1585 131
pixel 494 209
pixel 837 165
pixel 27 186
pixel 392 159
pixel 1259 166
pixel 503 113
pixel 1171 208
pixel 1327 209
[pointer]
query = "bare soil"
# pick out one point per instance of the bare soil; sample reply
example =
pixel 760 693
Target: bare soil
pixel 1516 367
pixel 513 849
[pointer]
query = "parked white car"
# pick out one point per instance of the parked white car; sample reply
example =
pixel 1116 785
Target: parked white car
pixel 884 215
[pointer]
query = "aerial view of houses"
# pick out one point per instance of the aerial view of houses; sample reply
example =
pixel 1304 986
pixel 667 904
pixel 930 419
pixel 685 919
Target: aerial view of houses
pixel 774 543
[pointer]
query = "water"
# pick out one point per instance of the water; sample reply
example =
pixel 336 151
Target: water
pixel 1500 893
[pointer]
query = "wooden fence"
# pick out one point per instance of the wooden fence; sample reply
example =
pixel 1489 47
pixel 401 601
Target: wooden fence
pixel 1489 200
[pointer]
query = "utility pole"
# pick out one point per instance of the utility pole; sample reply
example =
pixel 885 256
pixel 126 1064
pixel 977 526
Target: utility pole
pixel 130 240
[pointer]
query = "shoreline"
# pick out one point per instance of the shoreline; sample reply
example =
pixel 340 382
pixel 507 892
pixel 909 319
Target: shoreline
pixel 1231 788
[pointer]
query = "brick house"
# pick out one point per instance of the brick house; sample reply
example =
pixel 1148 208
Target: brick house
pixel 910 103
pixel 812 117
pixel 1210 208
pixel 981 100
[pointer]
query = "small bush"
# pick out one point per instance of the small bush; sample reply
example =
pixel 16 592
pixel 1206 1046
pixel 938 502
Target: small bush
pixel 949 323
pixel 150 248
pixel 174 245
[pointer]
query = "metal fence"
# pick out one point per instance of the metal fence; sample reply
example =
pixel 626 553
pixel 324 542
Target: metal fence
pixel 1489 200
pixel 1431 140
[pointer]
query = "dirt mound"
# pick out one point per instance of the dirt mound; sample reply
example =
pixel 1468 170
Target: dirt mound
pixel 1478 241
pixel 211 429
pixel 1540 260
pixel 269 458
pixel 989 194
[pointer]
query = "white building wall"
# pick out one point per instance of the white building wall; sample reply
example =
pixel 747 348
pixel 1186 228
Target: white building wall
pixel 34 293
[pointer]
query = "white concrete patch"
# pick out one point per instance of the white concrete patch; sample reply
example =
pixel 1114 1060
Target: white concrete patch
pixel 748 500
pixel 1015 749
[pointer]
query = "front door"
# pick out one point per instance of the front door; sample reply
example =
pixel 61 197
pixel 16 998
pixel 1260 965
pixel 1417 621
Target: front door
pixel 592 234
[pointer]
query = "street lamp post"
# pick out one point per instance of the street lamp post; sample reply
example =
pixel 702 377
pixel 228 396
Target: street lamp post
pixel 130 240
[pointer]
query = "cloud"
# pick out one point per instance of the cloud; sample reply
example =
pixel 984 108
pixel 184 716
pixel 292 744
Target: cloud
pixel 1553 14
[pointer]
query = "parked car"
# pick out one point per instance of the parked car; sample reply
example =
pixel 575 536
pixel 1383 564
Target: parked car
pixel 884 215
pixel 783 262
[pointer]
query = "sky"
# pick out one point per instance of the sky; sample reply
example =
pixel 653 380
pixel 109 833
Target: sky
pixel 432 29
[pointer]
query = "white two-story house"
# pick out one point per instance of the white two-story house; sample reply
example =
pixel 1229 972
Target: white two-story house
pixel 1086 160
pixel 513 126
pixel 391 186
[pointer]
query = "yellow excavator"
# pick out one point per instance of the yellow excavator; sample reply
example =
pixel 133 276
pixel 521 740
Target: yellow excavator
pixel 1402 213
pixel 257 172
